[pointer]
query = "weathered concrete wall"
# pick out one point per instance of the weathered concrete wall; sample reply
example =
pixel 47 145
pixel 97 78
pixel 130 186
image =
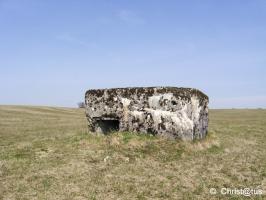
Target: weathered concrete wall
pixel 167 111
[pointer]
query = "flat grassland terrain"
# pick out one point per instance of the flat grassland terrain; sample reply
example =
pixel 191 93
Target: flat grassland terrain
pixel 46 153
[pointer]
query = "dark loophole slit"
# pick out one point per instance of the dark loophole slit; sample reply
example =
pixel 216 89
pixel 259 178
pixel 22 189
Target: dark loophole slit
pixel 108 126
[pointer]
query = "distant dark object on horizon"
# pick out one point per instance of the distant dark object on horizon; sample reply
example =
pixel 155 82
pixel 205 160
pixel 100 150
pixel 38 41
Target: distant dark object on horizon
pixel 81 104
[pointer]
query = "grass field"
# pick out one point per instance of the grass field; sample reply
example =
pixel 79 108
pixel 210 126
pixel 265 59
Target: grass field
pixel 46 153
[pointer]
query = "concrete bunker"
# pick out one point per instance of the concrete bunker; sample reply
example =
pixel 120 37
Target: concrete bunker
pixel 167 111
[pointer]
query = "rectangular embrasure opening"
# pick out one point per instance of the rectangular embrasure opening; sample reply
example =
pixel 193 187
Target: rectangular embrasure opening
pixel 108 125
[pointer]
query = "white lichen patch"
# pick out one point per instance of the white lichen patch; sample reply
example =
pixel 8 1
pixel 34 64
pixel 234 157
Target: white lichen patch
pixel 154 101
pixel 167 96
pixel 179 119
pixel 138 114
pixel 125 102
pixel 195 108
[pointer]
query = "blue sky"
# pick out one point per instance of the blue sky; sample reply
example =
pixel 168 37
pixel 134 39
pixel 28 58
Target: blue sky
pixel 52 51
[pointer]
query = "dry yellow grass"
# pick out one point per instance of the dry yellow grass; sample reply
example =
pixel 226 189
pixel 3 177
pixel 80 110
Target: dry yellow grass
pixel 46 153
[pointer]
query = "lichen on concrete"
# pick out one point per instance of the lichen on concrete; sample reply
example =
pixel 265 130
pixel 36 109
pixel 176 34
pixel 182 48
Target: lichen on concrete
pixel 167 111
